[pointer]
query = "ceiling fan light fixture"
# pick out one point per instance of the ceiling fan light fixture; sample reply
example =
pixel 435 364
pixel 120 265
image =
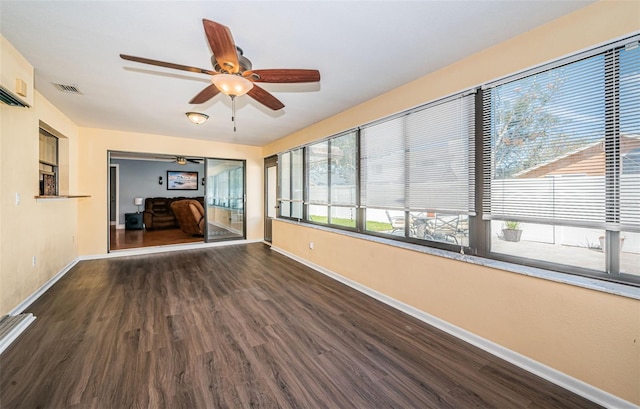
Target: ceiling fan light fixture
pixel 197 118
pixel 181 161
pixel 232 85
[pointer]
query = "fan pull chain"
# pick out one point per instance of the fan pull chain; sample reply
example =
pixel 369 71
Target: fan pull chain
pixel 233 111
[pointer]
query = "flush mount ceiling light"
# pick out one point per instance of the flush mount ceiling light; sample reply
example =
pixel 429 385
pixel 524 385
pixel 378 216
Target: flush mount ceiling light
pixel 197 117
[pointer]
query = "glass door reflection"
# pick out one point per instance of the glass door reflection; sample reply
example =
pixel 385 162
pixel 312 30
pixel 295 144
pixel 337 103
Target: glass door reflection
pixel 225 194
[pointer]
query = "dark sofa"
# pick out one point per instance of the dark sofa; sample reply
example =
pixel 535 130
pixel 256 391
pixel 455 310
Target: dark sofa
pixel 158 214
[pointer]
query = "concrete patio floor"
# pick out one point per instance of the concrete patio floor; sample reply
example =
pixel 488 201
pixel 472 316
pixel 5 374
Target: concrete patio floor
pixel 569 255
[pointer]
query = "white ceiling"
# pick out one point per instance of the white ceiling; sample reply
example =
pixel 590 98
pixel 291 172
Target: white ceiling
pixel 362 49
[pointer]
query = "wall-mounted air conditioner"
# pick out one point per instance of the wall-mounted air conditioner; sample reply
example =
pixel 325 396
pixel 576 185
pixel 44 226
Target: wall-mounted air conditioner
pixel 12 99
pixel 16 77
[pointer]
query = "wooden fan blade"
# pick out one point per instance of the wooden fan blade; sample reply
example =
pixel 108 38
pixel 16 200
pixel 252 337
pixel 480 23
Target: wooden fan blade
pixel 283 75
pixel 265 98
pixel 205 95
pixel 222 45
pixel 167 64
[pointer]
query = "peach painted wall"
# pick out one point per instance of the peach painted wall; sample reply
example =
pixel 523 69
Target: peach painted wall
pixel 589 335
pixel 44 229
pixel 57 231
pixel 94 144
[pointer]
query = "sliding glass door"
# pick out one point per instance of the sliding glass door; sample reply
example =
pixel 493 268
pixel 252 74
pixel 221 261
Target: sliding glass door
pixel 225 194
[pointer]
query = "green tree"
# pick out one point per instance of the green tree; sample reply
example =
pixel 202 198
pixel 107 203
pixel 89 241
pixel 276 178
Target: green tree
pixel 525 124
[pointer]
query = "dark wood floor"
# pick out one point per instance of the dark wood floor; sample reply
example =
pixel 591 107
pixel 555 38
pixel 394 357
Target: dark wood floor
pixel 243 327
pixel 120 239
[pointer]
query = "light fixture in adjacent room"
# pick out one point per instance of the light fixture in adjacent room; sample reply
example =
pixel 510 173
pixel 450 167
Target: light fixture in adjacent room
pixel 197 118
pixel 232 86
pixel 181 160
pixel 138 202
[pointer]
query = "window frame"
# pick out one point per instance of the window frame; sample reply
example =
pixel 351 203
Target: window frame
pixel 329 204
pixel 289 200
pixel 479 231
pixel 611 273
pixel 43 162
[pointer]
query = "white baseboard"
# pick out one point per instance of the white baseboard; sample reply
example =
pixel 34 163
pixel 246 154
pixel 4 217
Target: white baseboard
pixel 19 309
pixel 15 332
pixel 163 249
pixel 568 382
pixel 120 226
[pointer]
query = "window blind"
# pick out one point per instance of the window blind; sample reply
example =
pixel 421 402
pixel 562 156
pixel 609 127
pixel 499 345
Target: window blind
pixel 629 99
pixel 331 168
pixel 297 181
pixel 291 183
pixel 284 168
pixel 318 171
pixel 382 165
pixel 342 169
pixel 556 140
pixel 422 160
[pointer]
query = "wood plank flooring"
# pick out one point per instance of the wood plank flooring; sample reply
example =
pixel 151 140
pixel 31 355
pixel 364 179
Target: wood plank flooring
pixel 120 239
pixel 243 327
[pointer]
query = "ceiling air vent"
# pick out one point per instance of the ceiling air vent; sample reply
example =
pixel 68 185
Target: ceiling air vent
pixel 10 99
pixel 69 89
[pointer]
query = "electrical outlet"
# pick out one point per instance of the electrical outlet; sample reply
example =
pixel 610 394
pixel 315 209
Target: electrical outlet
pixel 17 198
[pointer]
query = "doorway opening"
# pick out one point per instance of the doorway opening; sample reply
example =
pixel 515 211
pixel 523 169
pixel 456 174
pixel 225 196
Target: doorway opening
pixel 161 199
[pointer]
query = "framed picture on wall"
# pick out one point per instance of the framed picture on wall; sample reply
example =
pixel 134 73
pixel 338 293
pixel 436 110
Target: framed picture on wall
pixel 179 180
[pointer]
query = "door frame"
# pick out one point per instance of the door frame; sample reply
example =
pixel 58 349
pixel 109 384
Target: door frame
pixel 207 189
pixel 269 162
pixel 117 193
pixel 117 198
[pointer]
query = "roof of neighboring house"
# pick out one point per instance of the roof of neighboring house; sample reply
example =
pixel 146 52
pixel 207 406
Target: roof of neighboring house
pixel 587 160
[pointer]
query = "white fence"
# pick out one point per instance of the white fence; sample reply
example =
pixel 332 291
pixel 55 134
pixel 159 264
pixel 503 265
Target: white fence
pixel 559 198
pixel 564 198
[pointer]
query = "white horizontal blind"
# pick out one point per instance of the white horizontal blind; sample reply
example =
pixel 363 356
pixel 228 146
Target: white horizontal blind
pixel 318 171
pixel 331 166
pixel 342 169
pixel 629 69
pixel 297 183
pixel 421 161
pixel 382 165
pixel 556 140
pixel 440 156
pixel 284 168
pixel 291 183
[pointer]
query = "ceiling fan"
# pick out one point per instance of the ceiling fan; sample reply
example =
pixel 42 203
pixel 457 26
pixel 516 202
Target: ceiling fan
pixel 181 160
pixel 232 72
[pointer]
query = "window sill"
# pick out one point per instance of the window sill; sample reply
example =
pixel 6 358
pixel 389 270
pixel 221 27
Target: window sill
pixel 60 197
pixel 570 279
